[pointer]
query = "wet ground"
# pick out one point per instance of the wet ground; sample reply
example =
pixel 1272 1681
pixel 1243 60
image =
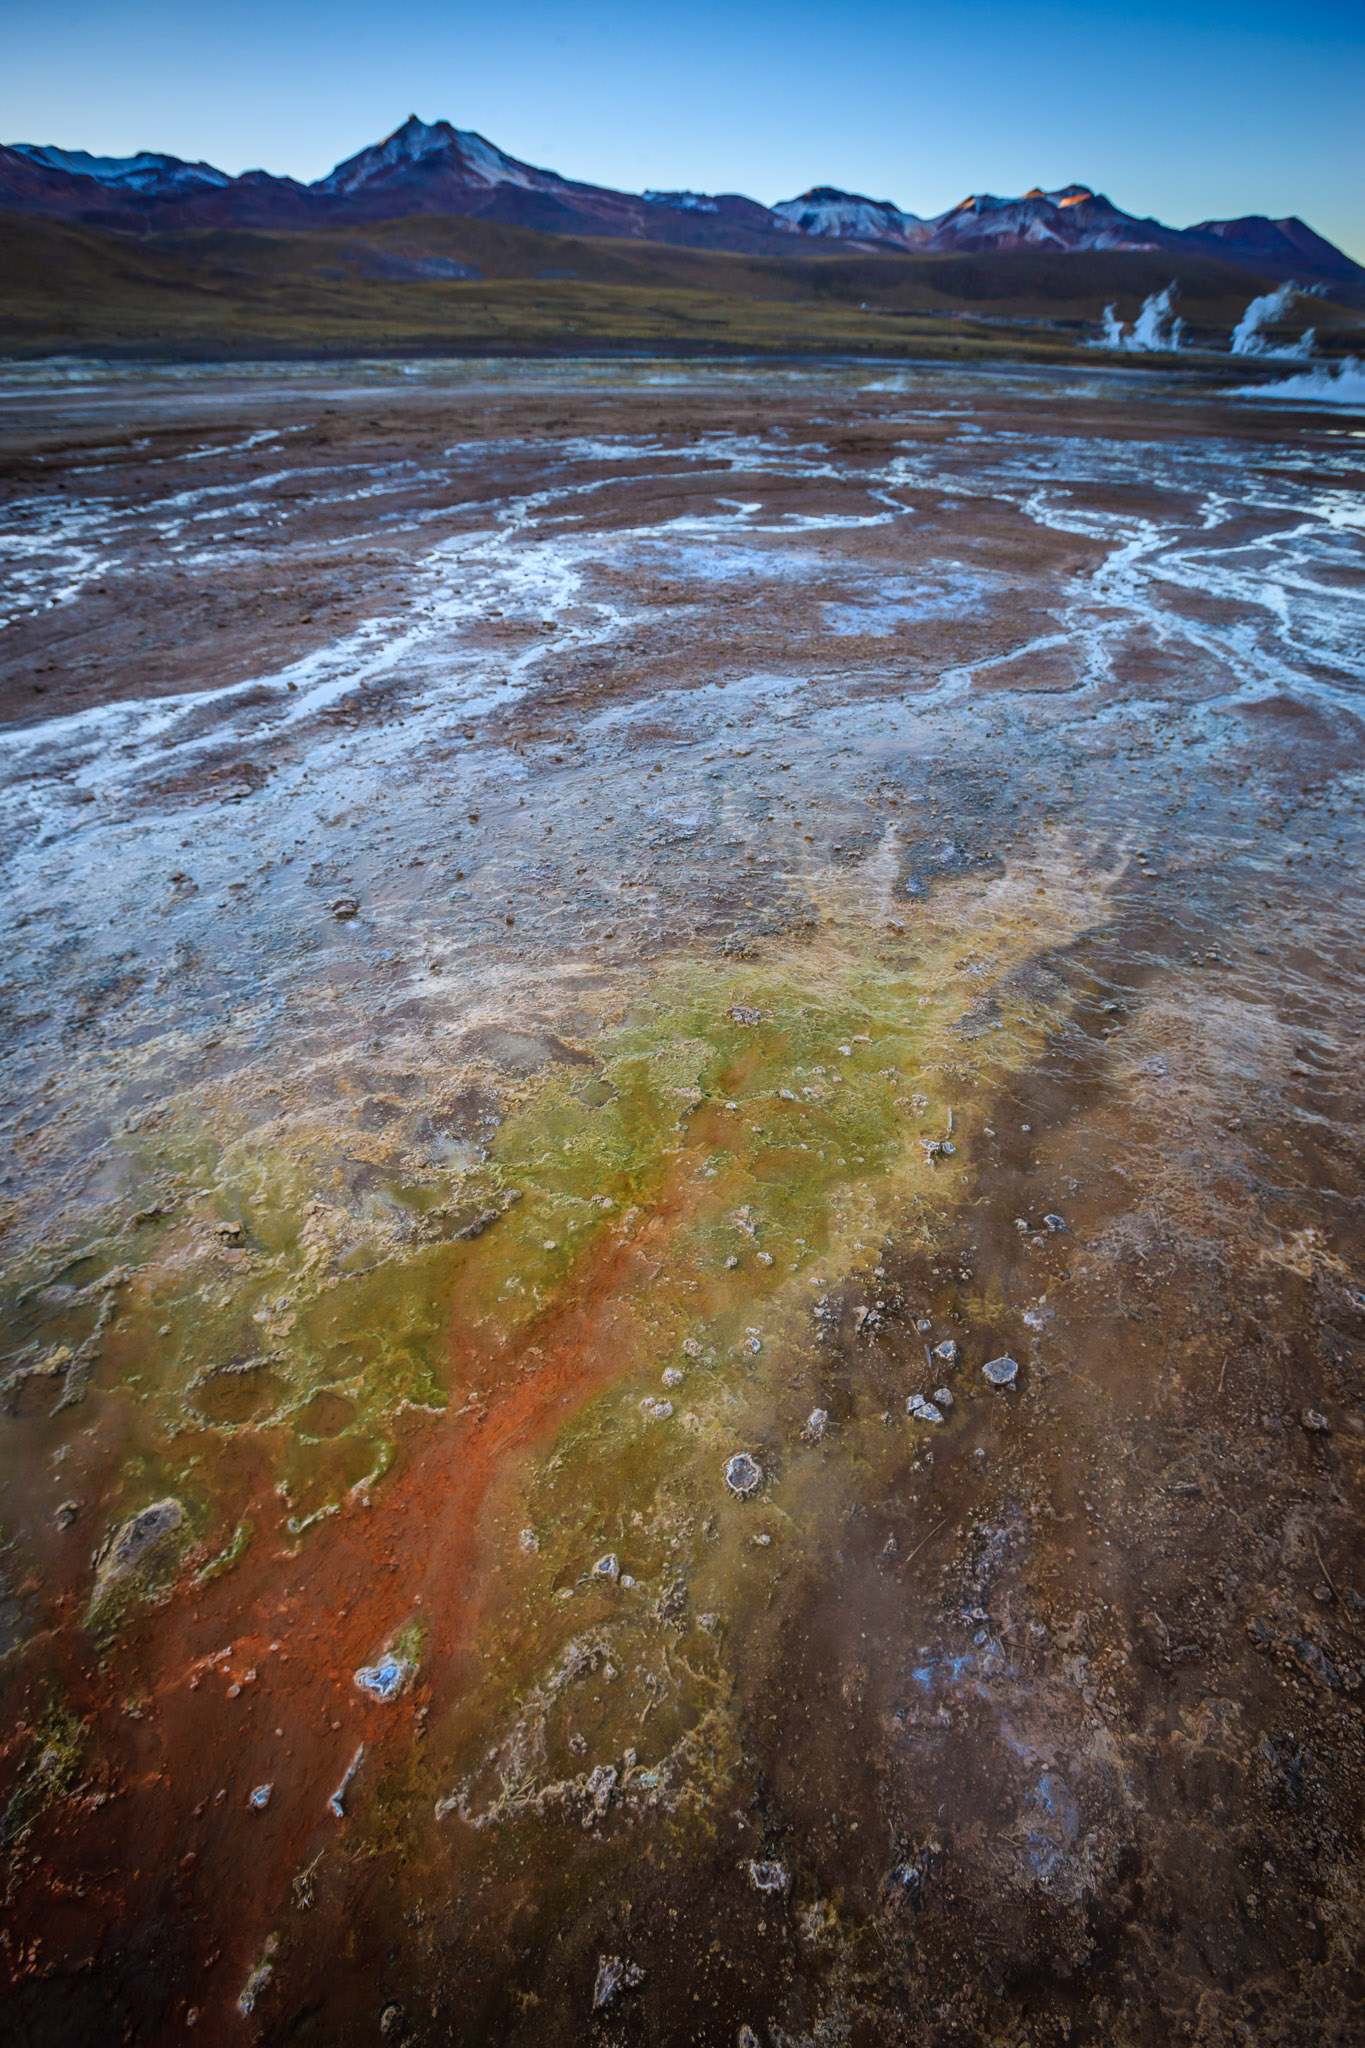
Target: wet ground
pixel 565 927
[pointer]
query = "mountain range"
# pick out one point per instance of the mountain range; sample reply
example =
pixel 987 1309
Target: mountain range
pixel 434 168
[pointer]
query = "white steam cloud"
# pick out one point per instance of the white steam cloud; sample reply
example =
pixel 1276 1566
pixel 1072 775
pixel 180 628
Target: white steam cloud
pixel 1249 336
pixel 1341 383
pixel 1155 329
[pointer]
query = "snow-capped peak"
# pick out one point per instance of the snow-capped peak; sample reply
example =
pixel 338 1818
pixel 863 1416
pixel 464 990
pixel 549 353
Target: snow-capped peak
pixel 149 171
pixel 470 156
pixel 1069 195
pixel 415 140
pixel 1075 217
pixel 847 216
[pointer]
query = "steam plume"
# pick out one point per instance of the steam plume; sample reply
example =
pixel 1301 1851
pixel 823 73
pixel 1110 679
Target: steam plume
pixel 1155 329
pixel 1248 336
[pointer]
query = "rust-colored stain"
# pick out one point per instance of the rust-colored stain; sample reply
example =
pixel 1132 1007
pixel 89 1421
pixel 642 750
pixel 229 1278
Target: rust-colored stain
pixel 301 1623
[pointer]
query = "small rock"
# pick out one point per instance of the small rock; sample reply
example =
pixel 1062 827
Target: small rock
pixel 614 1977
pixel 337 1802
pixel 944 1397
pixel 946 1351
pixel 691 1348
pixel 768 1877
pixel 1055 1222
pixel 67 1513
pixel 610 1978
pixel 746 2038
pixel 817 1422
pixel 256 1985
pixel 743 1474
pixel 386 1679
pixel 922 1410
pixel 1314 1660
pixel 602 1785
pixel 672 1377
pixel 260 1797
pixel 660 1410
pixel 608 1567
pixel 731 1263
pixel 137 1537
pixel 1315 1422
pixel 529 1541
pixel 1001 1372
pixel 764 1541
pixel 344 907
pixel 744 1013
pixel 753 1343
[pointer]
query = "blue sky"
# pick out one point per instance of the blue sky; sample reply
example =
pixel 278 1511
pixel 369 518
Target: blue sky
pixel 1186 111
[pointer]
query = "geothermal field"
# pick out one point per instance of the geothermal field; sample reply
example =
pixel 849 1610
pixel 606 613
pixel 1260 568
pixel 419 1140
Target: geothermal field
pixel 683 1269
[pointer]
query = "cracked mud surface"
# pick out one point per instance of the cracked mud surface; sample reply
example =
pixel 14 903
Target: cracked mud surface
pixel 564 925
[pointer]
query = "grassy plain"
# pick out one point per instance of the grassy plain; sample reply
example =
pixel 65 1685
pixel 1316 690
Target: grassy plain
pixel 395 286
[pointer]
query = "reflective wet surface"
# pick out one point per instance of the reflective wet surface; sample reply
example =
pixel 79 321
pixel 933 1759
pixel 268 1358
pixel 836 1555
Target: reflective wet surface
pixel 585 948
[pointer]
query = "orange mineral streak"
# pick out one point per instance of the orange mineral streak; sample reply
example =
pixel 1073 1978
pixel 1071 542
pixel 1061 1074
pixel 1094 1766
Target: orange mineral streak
pixel 177 1865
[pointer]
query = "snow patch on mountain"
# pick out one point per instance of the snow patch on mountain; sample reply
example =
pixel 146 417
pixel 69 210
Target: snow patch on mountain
pixel 149 171
pixel 684 202
pixel 847 216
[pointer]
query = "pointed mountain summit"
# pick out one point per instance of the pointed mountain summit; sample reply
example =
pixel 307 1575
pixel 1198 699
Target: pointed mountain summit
pixel 849 216
pixel 433 148
pixel 434 167
pixel 1284 248
pixel 1074 217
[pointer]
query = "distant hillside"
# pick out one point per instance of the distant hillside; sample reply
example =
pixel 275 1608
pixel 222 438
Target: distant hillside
pixel 448 285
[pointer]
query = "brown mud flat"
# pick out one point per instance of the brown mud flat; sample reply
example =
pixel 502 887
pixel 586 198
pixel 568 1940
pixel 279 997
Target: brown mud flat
pixel 563 924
